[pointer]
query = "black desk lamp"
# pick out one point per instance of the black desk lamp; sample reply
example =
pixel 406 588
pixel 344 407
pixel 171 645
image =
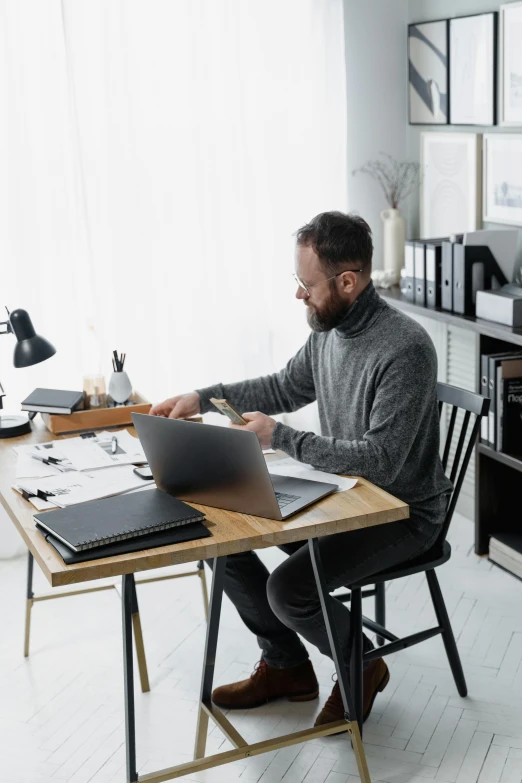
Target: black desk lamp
pixel 29 349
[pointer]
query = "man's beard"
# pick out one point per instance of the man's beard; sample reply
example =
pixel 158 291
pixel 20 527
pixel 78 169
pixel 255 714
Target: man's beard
pixel 329 316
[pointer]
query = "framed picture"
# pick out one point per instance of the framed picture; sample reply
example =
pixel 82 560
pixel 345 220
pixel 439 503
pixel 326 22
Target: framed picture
pixel 428 73
pixel 503 178
pixel 450 183
pixel 472 47
pixel 511 64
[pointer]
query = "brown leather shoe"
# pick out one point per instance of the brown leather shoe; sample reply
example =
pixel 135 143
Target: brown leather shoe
pixel 267 683
pixel 375 679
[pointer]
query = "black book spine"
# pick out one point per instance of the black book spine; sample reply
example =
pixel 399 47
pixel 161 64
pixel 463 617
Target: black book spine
pixel 484 390
pixel 511 417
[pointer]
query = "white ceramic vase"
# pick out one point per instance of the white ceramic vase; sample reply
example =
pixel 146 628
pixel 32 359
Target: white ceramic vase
pixel 393 242
pixel 120 387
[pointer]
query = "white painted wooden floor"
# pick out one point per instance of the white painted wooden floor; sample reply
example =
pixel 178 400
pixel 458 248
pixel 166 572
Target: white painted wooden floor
pixel 61 711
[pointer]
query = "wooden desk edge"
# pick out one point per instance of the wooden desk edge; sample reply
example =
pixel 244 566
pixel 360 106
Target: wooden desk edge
pixel 202 549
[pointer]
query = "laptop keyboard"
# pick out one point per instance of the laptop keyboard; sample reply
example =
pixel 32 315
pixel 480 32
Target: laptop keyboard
pixel 284 499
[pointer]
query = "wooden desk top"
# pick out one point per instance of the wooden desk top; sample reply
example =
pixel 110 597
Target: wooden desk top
pixel 363 506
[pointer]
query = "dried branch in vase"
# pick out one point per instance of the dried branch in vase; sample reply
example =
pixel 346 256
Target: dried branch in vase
pixel 397 178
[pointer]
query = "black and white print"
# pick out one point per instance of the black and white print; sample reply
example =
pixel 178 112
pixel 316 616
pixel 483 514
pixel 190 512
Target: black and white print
pixel 428 73
pixel 503 178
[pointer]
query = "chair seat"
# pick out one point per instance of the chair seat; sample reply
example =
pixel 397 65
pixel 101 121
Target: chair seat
pixel 434 557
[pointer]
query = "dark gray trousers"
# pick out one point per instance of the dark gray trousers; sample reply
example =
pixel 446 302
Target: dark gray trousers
pixel 280 606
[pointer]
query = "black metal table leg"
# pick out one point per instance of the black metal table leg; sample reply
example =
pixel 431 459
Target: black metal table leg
pixel 331 630
pixel 342 676
pixel 128 676
pixel 356 654
pixel 380 609
pixel 138 641
pixel 28 602
pixel 209 659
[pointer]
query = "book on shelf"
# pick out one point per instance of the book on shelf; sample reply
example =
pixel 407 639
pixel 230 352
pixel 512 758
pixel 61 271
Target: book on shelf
pixel 505 549
pixel 52 401
pixel 488 388
pixel 509 406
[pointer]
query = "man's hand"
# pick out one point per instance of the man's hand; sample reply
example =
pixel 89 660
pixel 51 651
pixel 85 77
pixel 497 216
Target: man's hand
pixel 262 425
pixel 181 407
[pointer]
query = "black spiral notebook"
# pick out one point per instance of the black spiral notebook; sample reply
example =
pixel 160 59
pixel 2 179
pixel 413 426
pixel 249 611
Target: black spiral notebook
pixel 176 535
pixel 108 521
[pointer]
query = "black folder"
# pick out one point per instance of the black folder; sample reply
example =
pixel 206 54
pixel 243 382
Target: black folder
pixel 175 535
pixel 447 276
pixel 433 274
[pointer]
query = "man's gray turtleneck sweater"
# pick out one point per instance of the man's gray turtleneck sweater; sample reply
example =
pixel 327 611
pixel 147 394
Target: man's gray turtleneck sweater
pixel 374 378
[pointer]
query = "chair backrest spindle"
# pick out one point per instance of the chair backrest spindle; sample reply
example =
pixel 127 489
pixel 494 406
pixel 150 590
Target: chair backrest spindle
pixel 470 404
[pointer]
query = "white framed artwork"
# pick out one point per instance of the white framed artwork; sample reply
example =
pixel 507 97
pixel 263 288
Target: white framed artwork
pixel 503 178
pixel 473 46
pixel 451 181
pixel 511 64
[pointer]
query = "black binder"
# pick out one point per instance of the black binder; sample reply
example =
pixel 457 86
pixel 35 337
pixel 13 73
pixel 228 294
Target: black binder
pixel 433 274
pixel 447 276
pixel 420 273
pixel 474 268
pixel 484 390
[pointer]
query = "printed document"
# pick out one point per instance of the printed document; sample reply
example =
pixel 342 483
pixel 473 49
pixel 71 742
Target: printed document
pixel 29 467
pixel 97 451
pixel 81 486
pixel 287 466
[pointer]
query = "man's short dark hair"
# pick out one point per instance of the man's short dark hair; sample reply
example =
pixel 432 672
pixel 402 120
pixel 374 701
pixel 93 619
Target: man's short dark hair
pixel 338 239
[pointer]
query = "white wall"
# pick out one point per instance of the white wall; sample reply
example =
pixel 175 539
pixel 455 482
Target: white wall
pixel 376 77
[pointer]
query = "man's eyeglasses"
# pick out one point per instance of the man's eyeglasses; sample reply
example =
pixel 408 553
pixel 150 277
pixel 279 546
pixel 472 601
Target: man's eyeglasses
pixel 311 285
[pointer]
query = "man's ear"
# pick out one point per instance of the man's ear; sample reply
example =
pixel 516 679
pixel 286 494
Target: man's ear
pixel 348 281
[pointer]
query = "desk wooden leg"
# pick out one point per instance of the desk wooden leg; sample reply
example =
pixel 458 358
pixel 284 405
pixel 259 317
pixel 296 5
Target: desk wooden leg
pixel 209 659
pixel 202 576
pixel 138 641
pixel 128 675
pixel 342 676
pixel 28 603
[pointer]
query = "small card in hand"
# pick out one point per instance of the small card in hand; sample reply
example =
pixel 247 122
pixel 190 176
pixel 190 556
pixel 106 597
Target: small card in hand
pixel 226 408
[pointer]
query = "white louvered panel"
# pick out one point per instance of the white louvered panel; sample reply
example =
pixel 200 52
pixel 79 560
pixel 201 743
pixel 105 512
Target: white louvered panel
pixel 461 371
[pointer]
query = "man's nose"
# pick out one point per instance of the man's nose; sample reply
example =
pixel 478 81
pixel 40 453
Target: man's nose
pixel 301 293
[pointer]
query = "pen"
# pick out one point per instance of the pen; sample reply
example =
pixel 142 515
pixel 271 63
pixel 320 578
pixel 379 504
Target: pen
pixel 47 460
pixel 114 444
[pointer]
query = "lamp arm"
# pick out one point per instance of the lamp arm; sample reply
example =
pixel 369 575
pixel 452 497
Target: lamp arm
pixel 8 326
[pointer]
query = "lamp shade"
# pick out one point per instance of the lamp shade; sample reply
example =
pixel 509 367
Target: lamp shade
pixel 30 347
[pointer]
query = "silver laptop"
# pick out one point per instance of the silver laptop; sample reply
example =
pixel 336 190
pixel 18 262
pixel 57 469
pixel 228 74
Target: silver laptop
pixel 221 467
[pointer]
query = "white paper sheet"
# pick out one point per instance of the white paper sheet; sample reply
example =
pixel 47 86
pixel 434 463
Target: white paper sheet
pixel 81 486
pixel 27 467
pixel 291 467
pixel 96 452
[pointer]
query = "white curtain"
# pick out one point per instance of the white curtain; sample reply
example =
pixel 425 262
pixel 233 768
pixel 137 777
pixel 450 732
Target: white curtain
pixel 156 157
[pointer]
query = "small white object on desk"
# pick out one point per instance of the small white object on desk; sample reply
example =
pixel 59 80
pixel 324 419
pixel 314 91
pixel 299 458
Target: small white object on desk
pixel 120 387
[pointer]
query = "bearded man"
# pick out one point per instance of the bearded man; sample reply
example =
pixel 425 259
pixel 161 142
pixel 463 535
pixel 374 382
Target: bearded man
pixel 373 373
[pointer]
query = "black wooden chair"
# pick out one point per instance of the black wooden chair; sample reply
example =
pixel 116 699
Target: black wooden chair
pixel 440 553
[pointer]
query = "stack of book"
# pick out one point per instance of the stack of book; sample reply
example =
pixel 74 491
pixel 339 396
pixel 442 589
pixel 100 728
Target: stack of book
pixel 120 524
pixel 505 550
pixel 501 381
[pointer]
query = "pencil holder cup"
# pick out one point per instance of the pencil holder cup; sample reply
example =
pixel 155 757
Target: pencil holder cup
pixel 120 387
